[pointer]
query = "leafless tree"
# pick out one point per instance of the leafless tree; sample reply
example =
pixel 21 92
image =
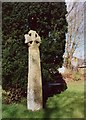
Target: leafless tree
pixel 72 42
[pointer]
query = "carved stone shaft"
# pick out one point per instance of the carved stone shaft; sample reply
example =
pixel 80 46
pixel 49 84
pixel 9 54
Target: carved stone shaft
pixel 34 89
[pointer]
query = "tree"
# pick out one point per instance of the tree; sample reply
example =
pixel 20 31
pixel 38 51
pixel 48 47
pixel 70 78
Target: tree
pixel 48 19
pixel 73 37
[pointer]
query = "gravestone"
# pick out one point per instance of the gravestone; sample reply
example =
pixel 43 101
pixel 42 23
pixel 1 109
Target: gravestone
pixel 34 88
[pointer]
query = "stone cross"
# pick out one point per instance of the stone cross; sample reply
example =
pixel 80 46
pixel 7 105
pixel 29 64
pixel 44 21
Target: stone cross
pixel 34 89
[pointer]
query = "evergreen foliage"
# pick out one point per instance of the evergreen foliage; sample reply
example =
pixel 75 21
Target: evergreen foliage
pixel 48 19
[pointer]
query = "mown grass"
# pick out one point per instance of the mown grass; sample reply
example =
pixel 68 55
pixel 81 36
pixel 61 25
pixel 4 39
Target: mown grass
pixel 69 104
pixel 0 103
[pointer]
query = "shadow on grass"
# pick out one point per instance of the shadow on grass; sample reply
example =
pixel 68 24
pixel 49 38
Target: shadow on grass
pixel 66 105
pixel 52 88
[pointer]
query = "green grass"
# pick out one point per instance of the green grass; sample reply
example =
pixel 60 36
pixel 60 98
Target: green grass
pixel 0 102
pixel 69 104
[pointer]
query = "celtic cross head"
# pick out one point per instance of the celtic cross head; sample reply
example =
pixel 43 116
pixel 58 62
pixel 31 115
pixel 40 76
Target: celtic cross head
pixel 32 38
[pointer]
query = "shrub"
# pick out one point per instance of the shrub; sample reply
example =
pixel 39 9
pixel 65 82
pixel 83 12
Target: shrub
pixel 48 19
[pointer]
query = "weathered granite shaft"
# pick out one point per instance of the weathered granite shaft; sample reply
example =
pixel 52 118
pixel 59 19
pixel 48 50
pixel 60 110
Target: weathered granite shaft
pixel 34 89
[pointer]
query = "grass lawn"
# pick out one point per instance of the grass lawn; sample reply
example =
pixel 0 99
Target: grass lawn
pixel 69 104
